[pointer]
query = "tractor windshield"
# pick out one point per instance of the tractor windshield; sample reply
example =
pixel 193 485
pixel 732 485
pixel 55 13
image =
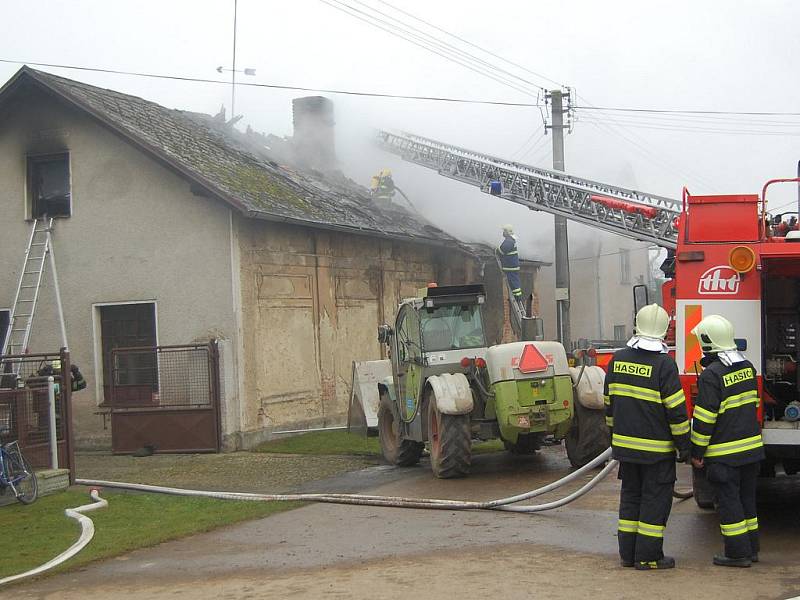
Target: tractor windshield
pixel 452 327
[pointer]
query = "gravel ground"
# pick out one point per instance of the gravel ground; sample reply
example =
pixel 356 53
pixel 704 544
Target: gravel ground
pixel 235 471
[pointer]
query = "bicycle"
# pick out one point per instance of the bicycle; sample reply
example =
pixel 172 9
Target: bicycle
pixel 16 472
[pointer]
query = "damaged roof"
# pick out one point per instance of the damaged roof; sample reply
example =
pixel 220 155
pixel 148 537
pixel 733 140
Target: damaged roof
pixel 216 158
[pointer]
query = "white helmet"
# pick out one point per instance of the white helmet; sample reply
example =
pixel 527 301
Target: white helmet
pixel 652 322
pixel 715 334
pixel 509 229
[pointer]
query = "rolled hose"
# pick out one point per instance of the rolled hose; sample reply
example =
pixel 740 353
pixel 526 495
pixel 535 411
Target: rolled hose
pixel 87 533
pixel 392 501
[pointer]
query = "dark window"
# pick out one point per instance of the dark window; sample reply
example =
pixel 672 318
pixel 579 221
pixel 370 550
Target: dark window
pixel 128 326
pixel 5 315
pixel 49 185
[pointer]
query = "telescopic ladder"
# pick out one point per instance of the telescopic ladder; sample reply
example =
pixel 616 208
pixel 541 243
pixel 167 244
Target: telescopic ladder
pixel 629 213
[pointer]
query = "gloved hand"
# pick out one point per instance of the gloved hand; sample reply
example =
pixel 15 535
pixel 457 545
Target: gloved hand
pixel 684 455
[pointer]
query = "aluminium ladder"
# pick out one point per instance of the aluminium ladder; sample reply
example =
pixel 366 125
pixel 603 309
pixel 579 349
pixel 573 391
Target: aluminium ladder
pixel 629 213
pixel 37 254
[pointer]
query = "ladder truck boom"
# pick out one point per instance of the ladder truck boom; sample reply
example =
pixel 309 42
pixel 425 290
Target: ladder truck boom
pixel 629 213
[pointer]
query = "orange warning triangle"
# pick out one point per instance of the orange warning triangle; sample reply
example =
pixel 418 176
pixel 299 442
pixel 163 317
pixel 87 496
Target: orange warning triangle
pixel 532 360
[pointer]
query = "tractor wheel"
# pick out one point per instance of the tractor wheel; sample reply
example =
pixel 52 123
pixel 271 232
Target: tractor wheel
pixel 588 436
pixel 396 451
pixel 450 437
pixel 527 443
pixel 703 492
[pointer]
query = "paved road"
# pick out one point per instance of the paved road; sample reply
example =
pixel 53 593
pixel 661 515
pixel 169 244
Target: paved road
pixel 362 552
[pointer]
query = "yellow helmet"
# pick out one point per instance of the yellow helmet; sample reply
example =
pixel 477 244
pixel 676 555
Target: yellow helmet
pixel 715 333
pixel 508 229
pixel 386 173
pixel 652 322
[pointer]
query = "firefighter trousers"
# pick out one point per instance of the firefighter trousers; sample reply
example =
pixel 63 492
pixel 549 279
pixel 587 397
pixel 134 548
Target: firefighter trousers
pixel 735 489
pixel 514 283
pixel 644 506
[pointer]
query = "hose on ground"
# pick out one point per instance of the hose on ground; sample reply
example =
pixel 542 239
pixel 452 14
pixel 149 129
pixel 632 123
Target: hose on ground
pixel 87 533
pixel 390 501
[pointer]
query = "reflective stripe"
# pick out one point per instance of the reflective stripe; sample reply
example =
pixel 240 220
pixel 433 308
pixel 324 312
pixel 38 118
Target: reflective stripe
pixel 706 416
pixel 700 439
pixel 607 400
pixel 610 421
pixel 675 399
pixel 750 397
pixel 735 446
pixel 628 526
pixel 512 253
pixel 634 391
pixel 510 268
pixel 731 529
pixel 651 530
pixel 752 524
pixel 680 428
pixel 643 444
pixel 516 291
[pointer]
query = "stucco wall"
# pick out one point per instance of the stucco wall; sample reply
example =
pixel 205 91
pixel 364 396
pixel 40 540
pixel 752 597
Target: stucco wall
pixel 136 233
pixel 312 301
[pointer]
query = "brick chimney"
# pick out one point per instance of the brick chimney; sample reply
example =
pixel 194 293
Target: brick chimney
pixel 313 139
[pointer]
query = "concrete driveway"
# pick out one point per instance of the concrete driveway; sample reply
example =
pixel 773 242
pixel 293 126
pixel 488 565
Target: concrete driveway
pixel 360 552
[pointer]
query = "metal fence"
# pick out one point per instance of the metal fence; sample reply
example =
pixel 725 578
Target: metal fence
pixel 166 397
pixel 25 407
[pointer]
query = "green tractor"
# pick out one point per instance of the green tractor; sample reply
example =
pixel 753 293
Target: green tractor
pixel 442 385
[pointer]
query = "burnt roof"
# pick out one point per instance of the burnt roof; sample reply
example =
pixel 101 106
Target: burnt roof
pixel 222 162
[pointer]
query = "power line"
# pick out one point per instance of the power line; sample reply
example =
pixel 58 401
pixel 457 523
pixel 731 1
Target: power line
pixel 422 43
pixel 689 129
pixel 273 86
pixel 467 42
pixel 690 112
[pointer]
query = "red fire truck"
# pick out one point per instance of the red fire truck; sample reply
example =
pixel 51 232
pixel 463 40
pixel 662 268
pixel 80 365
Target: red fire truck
pixel 728 262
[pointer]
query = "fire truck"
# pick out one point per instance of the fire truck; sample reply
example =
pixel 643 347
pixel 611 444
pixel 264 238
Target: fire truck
pixel 726 255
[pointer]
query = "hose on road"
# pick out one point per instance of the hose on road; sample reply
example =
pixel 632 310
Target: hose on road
pixel 392 501
pixel 87 533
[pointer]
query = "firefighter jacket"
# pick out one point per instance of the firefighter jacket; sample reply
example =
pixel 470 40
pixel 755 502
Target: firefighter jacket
pixel 645 407
pixel 509 256
pixel 725 424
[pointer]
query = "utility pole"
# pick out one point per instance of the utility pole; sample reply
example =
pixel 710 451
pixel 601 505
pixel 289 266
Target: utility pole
pixel 556 98
pixel 233 67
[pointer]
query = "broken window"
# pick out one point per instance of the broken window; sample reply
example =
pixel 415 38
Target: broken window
pixel 49 186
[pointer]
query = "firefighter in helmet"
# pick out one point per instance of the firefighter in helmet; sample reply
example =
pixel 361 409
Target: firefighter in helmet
pixel 509 259
pixel 646 414
pixel 726 438
pixel 382 186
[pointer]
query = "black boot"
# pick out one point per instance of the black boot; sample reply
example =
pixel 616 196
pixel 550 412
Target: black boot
pixel 666 562
pixel 626 563
pixel 724 561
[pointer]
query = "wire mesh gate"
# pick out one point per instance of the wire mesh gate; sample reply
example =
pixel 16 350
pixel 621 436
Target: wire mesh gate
pixel 24 406
pixel 165 399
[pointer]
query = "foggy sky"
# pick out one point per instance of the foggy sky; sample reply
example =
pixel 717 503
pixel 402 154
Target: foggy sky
pixel 684 54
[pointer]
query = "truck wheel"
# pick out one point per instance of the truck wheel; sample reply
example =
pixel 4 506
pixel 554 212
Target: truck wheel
pixel 703 492
pixel 451 443
pixel 396 451
pixel 527 443
pixel 588 436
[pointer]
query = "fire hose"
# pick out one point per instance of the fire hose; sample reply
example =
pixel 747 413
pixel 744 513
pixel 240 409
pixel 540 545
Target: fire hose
pixel 501 504
pixel 87 533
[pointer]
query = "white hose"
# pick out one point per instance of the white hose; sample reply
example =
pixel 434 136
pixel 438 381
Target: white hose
pixel 390 501
pixel 87 533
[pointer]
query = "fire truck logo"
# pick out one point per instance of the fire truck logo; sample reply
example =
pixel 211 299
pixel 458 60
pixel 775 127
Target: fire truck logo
pixel 719 280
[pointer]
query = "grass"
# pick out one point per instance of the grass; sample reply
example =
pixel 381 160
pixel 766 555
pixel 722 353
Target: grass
pixel 344 442
pixel 36 533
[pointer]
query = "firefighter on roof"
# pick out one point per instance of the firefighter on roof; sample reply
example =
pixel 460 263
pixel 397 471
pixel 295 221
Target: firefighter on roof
pixel 509 259
pixel 646 413
pixel 726 438
pixel 382 186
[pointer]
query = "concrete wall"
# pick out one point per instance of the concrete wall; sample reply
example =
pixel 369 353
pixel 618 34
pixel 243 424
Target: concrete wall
pixel 312 302
pixel 136 234
pixel 600 299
